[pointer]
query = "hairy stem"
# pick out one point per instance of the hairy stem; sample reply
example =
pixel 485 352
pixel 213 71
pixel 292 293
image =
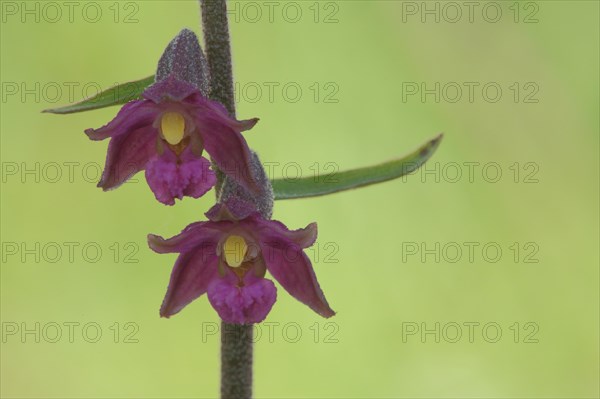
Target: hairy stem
pixel 218 52
pixel 236 361
pixel 215 27
pixel 236 340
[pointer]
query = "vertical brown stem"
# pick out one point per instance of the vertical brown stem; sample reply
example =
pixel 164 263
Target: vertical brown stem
pixel 236 340
pixel 218 51
pixel 236 361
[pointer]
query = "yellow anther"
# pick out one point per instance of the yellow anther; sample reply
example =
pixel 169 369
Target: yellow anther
pixel 235 250
pixel 172 125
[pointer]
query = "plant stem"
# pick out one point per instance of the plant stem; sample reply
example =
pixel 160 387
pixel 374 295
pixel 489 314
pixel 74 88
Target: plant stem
pixel 236 340
pixel 215 27
pixel 236 361
pixel 218 52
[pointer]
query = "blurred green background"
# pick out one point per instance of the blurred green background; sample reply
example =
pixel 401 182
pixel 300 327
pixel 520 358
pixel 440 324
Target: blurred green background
pixel 376 260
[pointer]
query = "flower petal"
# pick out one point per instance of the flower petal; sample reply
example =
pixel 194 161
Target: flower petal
pixel 304 238
pixel 289 265
pixel 170 177
pixel 196 234
pixel 218 111
pixel 132 116
pixel 228 149
pixel 127 154
pixel 199 176
pixel 195 268
pixel 242 304
pixel 193 272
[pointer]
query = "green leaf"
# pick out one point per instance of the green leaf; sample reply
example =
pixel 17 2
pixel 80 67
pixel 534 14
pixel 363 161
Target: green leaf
pixel 119 94
pixel 322 185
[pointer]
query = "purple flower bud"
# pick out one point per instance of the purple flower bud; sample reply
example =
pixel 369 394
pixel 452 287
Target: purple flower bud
pixel 184 59
pixel 262 199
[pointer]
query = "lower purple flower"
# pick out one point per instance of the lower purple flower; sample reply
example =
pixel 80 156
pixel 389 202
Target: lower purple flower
pixel 228 256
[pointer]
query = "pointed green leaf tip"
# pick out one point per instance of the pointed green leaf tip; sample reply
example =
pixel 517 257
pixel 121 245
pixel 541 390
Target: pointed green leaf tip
pixel 312 187
pixel 116 95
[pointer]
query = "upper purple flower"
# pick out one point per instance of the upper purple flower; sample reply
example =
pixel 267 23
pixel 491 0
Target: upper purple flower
pixel 227 257
pixel 167 131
